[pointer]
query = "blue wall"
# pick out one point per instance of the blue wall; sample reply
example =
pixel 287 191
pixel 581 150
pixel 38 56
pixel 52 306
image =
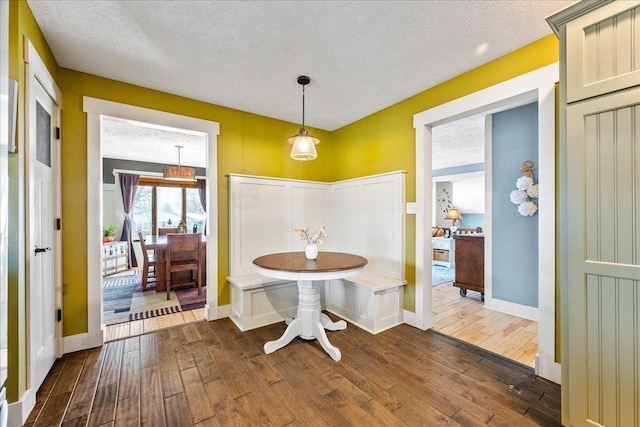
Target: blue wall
pixel 471 220
pixel 455 170
pixel 514 237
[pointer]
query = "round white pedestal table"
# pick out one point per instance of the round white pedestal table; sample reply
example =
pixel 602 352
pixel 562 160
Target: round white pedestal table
pixel 310 323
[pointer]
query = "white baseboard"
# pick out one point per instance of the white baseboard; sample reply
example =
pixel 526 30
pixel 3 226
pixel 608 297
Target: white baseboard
pixel 548 369
pixel 411 319
pixel 220 312
pixel 507 307
pixel 80 342
pixel 19 411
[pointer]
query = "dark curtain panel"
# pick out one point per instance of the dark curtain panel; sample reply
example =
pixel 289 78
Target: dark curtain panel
pixel 202 192
pixel 128 187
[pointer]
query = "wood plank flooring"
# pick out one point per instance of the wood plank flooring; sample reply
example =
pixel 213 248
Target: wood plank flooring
pixel 466 319
pixel 455 316
pixel 211 374
pixel 138 327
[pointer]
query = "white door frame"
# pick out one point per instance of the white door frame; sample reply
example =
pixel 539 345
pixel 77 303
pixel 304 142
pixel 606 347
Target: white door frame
pixel 541 82
pixel 95 109
pixel 36 72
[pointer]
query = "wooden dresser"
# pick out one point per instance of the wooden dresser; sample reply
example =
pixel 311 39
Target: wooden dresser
pixel 470 264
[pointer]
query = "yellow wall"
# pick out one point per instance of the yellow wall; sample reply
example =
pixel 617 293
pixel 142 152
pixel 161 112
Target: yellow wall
pixel 21 24
pixel 247 144
pixel 385 141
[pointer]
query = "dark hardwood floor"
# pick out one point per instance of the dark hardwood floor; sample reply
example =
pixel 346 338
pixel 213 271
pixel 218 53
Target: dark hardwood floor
pixel 211 374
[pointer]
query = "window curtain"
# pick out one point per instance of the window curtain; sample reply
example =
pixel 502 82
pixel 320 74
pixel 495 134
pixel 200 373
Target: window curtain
pixel 202 192
pixel 128 187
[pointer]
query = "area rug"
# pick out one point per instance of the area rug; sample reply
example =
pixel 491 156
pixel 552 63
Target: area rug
pixel 123 300
pixel 441 274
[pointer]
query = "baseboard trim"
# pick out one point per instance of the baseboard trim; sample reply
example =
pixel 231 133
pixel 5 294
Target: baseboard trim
pixel 79 342
pixel 19 411
pixel 410 318
pixel 507 307
pixel 215 313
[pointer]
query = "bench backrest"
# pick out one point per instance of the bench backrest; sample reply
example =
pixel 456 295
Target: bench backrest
pixel 364 216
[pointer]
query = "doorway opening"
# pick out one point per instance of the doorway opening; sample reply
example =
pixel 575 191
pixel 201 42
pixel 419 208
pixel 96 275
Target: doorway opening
pixel 100 112
pixel 459 154
pixel 541 84
pixel 133 296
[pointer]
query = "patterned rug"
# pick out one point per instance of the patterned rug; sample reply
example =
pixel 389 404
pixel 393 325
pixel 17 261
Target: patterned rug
pixel 441 274
pixel 124 301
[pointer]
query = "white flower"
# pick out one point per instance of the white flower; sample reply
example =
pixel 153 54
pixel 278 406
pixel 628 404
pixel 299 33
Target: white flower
pixel 527 208
pixel 310 238
pixel 533 191
pixel 524 183
pixel 518 196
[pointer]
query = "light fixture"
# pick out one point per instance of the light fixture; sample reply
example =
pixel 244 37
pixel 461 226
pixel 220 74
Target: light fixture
pixel 454 215
pixel 179 173
pixel 304 144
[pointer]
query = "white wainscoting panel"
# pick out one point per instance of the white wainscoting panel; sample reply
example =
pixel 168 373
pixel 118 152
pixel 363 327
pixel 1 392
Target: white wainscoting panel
pixel 309 208
pixel 368 217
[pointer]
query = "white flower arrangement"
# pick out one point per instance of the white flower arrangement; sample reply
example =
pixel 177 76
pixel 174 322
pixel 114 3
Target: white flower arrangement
pixel 524 183
pixel 527 208
pixel 526 190
pixel 518 196
pixel 312 238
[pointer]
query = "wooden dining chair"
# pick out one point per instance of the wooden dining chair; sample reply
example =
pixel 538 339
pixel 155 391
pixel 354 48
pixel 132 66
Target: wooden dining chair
pixel 183 254
pixel 149 262
pixel 165 231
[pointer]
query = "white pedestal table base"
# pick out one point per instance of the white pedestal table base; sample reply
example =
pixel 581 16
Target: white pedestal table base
pixel 310 323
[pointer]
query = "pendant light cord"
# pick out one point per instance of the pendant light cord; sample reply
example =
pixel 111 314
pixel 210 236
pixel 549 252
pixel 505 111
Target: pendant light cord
pixel 303 106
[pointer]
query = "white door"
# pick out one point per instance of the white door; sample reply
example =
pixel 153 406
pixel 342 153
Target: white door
pixel 42 155
pixel 603 151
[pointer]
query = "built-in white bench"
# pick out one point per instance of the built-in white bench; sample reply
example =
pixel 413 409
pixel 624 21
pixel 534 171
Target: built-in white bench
pixel 363 216
pixel 257 300
pixel 373 302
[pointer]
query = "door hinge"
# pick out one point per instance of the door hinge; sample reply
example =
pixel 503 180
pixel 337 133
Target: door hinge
pixel 57 133
pixel 59 315
pixel 58 224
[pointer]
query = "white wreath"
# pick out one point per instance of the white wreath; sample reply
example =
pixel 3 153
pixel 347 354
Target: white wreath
pixel 526 190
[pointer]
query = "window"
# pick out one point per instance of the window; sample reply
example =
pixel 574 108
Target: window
pixel 161 204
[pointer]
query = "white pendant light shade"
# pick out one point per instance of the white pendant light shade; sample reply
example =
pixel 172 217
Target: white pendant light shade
pixel 179 173
pixel 304 146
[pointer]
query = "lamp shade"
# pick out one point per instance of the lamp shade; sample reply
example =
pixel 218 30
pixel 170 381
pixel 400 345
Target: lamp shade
pixel 179 173
pixel 453 214
pixel 304 145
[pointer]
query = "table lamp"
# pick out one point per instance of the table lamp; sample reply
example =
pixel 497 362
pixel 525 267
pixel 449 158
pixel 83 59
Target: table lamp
pixel 454 215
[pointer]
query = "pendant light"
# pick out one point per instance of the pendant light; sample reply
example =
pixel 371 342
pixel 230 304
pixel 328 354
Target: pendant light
pixel 179 173
pixel 304 144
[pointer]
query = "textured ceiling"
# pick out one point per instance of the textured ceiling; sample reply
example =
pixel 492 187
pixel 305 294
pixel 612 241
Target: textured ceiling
pixel 142 142
pixel 361 56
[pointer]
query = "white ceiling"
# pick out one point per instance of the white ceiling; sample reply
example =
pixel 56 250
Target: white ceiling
pixel 362 56
pixel 144 142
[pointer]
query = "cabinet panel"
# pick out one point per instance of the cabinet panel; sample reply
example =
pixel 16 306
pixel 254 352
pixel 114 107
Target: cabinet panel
pixel 443 251
pixel 603 51
pixel 604 260
pixel 115 257
pixel 470 263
